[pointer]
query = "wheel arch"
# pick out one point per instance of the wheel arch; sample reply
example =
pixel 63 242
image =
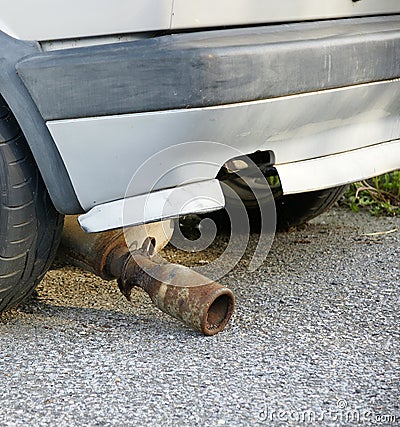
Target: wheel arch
pixel 41 144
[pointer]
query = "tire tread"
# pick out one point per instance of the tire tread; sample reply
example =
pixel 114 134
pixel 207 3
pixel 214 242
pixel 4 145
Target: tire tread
pixel 30 226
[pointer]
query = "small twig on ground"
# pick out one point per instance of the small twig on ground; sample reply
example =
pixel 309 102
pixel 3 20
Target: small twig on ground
pixel 380 233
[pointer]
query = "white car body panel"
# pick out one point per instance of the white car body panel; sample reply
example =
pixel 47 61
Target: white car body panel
pixel 294 128
pixel 213 13
pixel 43 20
pixel 54 19
pixel 205 196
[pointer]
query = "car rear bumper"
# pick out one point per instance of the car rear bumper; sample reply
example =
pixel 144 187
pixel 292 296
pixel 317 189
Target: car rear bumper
pixel 300 91
pixel 211 68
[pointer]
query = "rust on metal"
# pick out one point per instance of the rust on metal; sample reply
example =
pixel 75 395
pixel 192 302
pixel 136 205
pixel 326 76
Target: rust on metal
pixel 204 305
pixel 90 251
pixel 176 290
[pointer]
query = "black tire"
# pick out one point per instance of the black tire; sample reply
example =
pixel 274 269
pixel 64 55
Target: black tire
pixel 291 210
pixel 30 227
pixel 296 209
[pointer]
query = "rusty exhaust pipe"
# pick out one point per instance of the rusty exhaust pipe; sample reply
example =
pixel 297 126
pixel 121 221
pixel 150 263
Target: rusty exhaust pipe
pixel 176 290
pixel 184 294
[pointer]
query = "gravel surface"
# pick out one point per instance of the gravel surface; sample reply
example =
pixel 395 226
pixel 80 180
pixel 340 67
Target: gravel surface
pixel 314 341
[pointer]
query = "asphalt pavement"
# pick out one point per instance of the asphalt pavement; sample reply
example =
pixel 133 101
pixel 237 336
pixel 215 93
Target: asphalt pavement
pixel 315 340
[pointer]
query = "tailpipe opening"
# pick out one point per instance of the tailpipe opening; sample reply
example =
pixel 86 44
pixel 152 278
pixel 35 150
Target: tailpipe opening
pixel 206 308
pixel 219 313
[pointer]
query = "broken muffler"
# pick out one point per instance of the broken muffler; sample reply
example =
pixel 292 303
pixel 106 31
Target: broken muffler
pixel 204 305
